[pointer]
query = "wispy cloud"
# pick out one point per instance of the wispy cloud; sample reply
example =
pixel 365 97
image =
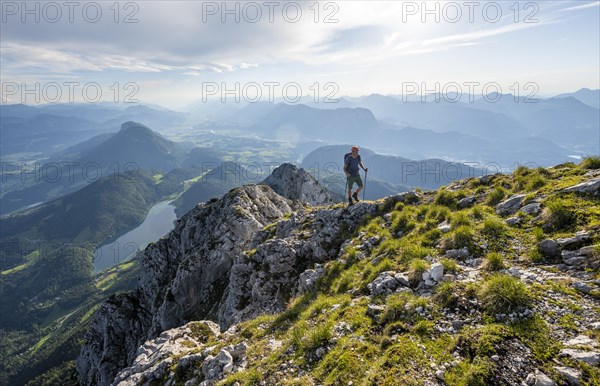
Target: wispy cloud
pixel 480 34
pixel 593 4
pixel 371 41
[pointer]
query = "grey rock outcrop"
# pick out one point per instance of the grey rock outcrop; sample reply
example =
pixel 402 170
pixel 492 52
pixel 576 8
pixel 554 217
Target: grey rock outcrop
pixel 512 221
pixel 533 208
pixel 308 279
pixel 590 357
pixel 155 356
pixel 295 183
pixel 580 238
pixel 549 248
pixel 589 187
pixel 571 375
pixel 387 282
pixel 466 202
pixel 510 205
pixel 223 263
pixel 265 280
pixel 458 254
pixel 183 277
pixel 433 275
pixel 539 379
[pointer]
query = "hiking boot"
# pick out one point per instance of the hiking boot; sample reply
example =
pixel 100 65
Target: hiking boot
pixel 350 200
pixel 355 195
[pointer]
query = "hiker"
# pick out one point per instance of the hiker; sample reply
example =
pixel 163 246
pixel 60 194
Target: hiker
pixel 351 163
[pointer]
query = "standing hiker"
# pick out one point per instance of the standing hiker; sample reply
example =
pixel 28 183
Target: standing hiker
pixel 351 163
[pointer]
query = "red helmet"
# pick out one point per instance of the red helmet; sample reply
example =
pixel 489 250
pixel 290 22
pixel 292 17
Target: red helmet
pixel 354 148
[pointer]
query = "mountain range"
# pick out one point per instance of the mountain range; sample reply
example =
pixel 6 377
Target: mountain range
pixel 51 227
pixel 500 128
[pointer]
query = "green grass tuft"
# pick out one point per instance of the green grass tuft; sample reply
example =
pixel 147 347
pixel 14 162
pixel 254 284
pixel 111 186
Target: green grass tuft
pixel 558 214
pixel 496 196
pixel 503 294
pixel 494 261
pixel 592 162
pixel 494 228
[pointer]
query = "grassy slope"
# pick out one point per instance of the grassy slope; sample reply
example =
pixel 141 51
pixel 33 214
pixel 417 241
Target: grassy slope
pixel 329 337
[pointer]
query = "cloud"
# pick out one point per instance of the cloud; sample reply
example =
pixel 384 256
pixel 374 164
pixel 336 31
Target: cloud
pixel 470 37
pixel 181 44
pixel 169 36
pixel 185 38
pixel 593 4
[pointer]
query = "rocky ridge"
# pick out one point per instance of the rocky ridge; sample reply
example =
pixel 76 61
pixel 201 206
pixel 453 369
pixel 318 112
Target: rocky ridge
pixel 291 251
pixel 296 183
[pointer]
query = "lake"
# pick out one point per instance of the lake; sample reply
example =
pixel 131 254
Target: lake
pixel 158 222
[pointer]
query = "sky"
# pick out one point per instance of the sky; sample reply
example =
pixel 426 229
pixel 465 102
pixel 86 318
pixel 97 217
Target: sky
pixel 172 53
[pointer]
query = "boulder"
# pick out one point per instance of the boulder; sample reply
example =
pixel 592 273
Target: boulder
pixel 589 251
pixel 437 272
pixel 549 248
pixel 581 340
pixel 512 221
pixel 572 242
pixel 466 202
pixel 308 279
pixel 444 227
pixel 571 375
pixel 385 283
pixel 583 287
pixel 533 208
pixel 402 279
pixel 214 367
pixel 510 205
pixel 588 187
pixel 592 358
pixel 539 379
pixel 374 310
pixel 457 254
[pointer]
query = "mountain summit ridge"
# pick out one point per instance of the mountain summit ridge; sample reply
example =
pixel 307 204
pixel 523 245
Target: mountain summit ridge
pixel 203 270
pixel 382 277
pixel 296 183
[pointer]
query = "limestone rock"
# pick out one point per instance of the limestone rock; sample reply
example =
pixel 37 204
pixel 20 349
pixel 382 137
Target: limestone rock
pixel 510 205
pixel 533 208
pixel 590 357
pixel 466 202
pixel 295 183
pixel 571 375
pixel 182 276
pixel 437 272
pixel 214 368
pixel 384 284
pixel 571 242
pixel 308 279
pixel 588 187
pixel 444 227
pixel 458 254
pixel 512 221
pixel 154 357
pixel 549 248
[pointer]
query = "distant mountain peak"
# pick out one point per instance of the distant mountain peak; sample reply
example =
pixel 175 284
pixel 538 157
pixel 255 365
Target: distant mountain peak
pixel 136 130
pixel 134 126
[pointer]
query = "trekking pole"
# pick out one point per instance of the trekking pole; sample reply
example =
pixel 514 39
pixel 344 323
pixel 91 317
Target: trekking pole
pixel 365 188
pixel 345 189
